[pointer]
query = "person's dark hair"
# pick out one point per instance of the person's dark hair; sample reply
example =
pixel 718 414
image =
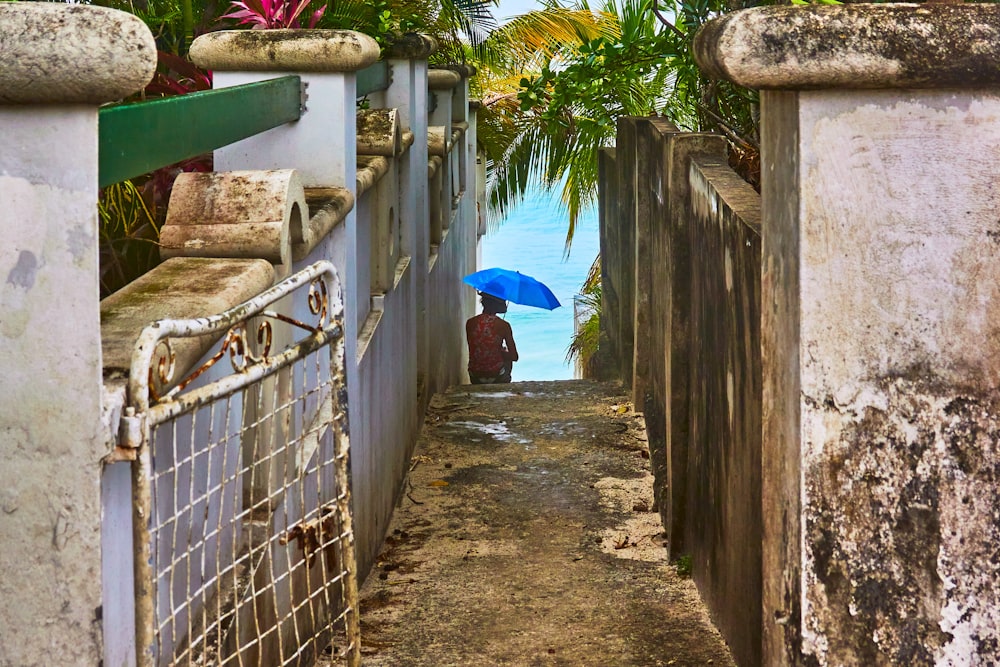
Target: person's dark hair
pixel 492 304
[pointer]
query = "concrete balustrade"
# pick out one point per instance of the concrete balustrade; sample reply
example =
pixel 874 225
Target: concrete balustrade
pixel 338 184
pixel 376 243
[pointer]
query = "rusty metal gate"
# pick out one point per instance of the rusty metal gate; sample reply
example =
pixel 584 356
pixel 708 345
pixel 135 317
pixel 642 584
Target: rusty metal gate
pixel 244 549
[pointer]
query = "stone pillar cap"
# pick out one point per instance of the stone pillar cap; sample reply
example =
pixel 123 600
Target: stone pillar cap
pixel 465 70
pixel 58 53
pixel 931 45
pixel 412 46
pixel 442 79
pixel 284 51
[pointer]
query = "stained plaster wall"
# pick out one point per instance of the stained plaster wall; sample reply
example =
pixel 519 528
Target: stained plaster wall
pixel 723 472
pixel 897 409
pixel 701 399
pixel 611 264
pixel 448 355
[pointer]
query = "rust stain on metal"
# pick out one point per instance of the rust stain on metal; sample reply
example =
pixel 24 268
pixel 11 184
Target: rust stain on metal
pixel 319 534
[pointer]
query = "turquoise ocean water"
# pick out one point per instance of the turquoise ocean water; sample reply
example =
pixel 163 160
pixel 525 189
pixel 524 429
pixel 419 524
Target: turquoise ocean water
pixel 531 241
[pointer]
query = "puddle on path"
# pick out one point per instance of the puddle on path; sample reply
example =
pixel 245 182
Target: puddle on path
pixel 496 430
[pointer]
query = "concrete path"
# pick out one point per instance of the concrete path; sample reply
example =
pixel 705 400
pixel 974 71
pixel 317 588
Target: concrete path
pixel 527 536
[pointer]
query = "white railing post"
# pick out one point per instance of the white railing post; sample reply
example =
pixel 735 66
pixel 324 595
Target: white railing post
pixel 880 127
pixel 408 94
pixel 441 84
pixel 321 146
pixel 60 63
pixel 466 111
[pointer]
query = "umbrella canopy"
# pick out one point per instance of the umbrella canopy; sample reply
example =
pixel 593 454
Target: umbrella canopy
pixel 513 286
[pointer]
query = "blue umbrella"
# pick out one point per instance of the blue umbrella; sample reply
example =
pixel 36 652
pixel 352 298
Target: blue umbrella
pixel 513 286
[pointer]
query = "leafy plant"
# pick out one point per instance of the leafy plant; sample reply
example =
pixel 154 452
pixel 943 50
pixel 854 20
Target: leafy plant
pixel 176 76
pixel 128 235
pixel 269 14
pixel 585 345
pixel 684 565
pixel 579 78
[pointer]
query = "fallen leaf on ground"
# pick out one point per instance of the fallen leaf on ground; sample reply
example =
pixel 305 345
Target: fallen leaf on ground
pixel 438 482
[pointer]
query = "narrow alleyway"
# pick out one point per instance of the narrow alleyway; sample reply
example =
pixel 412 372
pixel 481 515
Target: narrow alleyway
pixel 527 536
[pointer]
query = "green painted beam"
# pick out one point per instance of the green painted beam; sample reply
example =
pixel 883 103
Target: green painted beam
pixel 373 78
pixel 135 139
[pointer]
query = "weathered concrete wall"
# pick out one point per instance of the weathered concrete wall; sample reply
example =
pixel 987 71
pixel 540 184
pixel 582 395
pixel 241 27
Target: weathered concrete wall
pixel 653 354
pixel 879 328
pixel 452 302
pixel 388 376
pixel 699 358
pixel 618 252
pixel 448 357
pixel 723 518
pixel 611 244
pixel 671 369
pixel 636 196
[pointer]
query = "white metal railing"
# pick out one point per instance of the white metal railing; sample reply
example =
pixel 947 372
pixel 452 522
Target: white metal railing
pixel 243 536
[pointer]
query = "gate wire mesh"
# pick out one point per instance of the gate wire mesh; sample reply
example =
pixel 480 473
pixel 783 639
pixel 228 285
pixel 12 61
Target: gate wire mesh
pixel 248 541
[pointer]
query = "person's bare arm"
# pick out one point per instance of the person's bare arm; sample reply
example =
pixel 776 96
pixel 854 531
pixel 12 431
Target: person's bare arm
pixel 508 339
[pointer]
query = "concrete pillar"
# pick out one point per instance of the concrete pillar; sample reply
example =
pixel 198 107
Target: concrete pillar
pixel 441 84
pixel 59 66
pixel 474 204
pixel 408 94
pixel 642 352
pixel 624 221
pixel 671 372
pixel 880 327
pixel 322 145
pixel 465 162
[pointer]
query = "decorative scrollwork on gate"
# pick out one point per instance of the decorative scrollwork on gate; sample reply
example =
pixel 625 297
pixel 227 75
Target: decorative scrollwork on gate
pixel 236 344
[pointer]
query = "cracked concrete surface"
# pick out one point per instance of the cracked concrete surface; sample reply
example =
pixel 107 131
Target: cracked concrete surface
pixel 527 535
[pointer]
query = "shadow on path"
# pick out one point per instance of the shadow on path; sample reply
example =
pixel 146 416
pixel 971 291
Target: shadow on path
pixel 526 536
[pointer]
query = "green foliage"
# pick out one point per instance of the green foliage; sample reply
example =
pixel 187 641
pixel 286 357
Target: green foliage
pixel 586 342
pixel 577 97
pixel 575 87
pixel 684 565
pixel 128 235
pixel 453 23
pixel 578 79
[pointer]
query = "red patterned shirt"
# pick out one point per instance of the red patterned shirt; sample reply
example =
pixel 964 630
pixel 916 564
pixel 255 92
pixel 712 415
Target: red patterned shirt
pixel 486 351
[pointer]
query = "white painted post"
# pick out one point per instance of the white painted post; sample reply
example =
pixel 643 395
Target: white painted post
pixel 441 84
pixel 60 64
pixel 408 94
pixel 321 146
pixel 460 113
pixel 469 206
pixel 880 327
